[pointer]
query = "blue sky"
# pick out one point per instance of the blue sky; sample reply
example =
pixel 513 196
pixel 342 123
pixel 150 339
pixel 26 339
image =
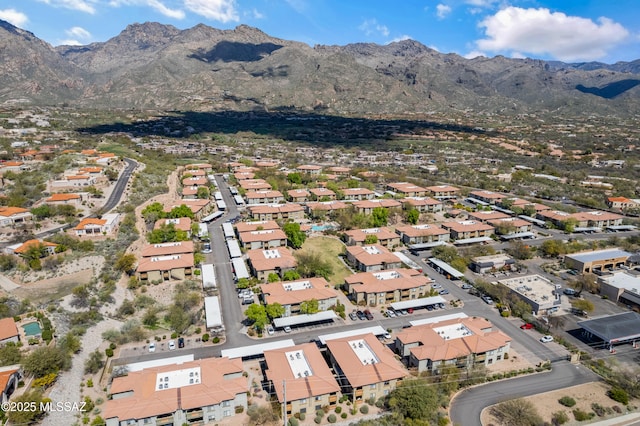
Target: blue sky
pixel 567 30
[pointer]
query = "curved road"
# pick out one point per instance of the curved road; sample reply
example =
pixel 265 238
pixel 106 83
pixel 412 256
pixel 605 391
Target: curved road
pixel 467 406
pixel 121 185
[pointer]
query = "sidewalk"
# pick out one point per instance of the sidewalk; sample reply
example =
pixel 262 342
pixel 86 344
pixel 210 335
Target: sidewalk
pixel 632 419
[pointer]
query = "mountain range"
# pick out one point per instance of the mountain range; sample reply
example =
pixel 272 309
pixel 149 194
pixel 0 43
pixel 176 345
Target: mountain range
pixel 156 66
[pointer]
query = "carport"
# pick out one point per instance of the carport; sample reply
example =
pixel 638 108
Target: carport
pixel 295 320
pixel 614 329
pixel 417 303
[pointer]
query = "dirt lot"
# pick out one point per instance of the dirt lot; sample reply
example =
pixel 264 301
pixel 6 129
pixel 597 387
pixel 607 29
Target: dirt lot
pixel 585 395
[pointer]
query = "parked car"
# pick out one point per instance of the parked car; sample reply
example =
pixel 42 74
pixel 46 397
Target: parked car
pixel 402 312
pixel 488 300
pixel 207 248
pixel 546 339
pixel 436 285
pixel 181 342
pixel 410 310
pixel 287 329
pixel 353 316
pixel 270 330
pixel 386 335
pixel 569 292
pixel 368 315
pixel 527 326
pixel 390 313
pixel 443 292
pixel 430 308
pixel 152 347
pixel 361 316
pixel 172 345
pixel 466 286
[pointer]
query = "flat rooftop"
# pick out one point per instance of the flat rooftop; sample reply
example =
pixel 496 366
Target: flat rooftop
pixel 363 351
pixel 534 287
pixel 614 328
pixel 593 256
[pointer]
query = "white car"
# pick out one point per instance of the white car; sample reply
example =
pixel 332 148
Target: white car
pixel 172 345
pixel 152 347
pixel 436 285
pixel 546 339
pixel 387 335
pixel 287 329
pixel 270 330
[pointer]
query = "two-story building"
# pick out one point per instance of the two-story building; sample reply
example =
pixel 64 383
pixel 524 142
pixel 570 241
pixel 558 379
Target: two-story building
pixel 423 204
pixel 366 369
pixel 385 287
pixel 443 192
pixel 264 197
pixel 166 262
pixel 263 239
pixel 204 391
pixel 285 212
pixel 356 194
pixel 322 194
pixel 407 189
pixel 460 342
pixel 300 377
pixel 290 294
pixel 423 234
pixel 371 258
pixel 105 225
pixel 383 236
pixel 468 231
pixel 273 261
pixel 367 206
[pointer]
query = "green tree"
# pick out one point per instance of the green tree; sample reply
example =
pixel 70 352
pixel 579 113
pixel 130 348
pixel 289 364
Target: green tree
pixel 311 264
pixel 414 399
pixel 181 211
pixel 519 250
pixel 274 310
pixel 81 295
pixel 179 319
pixel 309 306
pixel 295 236
pixel 10 354
pixel 203 193
pixel 273 277
pixel 585 282
pixel 167 233
pixel 569 225
pixel 517 412
pixel 290 276
pixel 371 239
pixel 295 178
pixel 552 248
pixel 7 262
pixel 42 212
pixel 125 263
pixel 27 417
pixel 46 360
pixel 257 314
pixel 445 253
pixel 94 363
pixel 153 212
pixel 379 216
pixel 70 344
pixel 412 216
pixel 583 305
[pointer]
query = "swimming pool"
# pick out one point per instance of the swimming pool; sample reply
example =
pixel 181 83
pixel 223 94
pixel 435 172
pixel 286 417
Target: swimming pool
pixel 32 329
pixel 321 228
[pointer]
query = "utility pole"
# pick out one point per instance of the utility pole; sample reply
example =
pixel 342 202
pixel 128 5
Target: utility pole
pixel 284 405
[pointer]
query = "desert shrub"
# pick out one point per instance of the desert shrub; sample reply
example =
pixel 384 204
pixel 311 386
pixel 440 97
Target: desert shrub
pixel 239 409
pixel 598 409
pixel 581 415
pixel 338 410
pixel 317 420
pixel 216 340
pixel 619 395
pixel 302 416
pixel 567 401
pixel 108 352
pixel 319 413
pixel 559 418
pixel 331 418
pixel 205 337
pixel 364 409
pixel 344 415
pixel 443 421
pixel 293 421
pixel 617 409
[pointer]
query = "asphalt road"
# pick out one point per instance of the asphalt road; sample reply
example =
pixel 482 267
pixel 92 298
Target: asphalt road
pixel 467 406
pixel 121 185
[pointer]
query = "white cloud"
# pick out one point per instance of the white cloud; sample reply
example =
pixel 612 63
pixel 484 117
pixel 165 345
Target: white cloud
pixel 474 54
pixel 218 10
pixel 480 3
pixel 78 32
pixel 69 42
pixel 299 6
pixel 14 17
pixel 542 32
pixel 156 5
pixel 255 14
pixel 370 26
pixel 86 6
pixel 401 38
pixel 442 10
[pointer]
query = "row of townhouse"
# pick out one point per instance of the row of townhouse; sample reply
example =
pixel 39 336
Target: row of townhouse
pixel 304 378
pixel 166 262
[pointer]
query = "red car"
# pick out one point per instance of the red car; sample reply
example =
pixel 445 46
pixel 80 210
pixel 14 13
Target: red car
pixel 527 326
